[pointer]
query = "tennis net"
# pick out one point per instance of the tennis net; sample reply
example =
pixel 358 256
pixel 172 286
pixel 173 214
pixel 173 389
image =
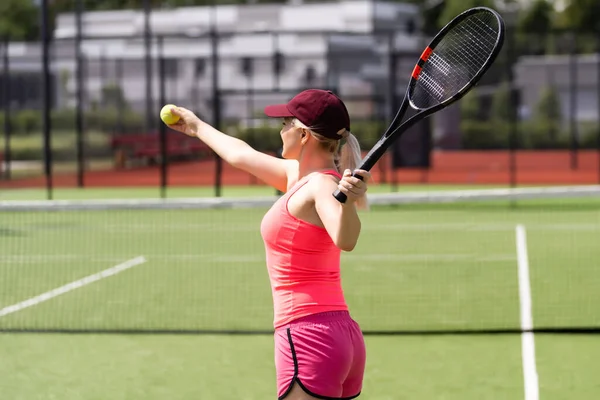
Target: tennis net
pixel 448 261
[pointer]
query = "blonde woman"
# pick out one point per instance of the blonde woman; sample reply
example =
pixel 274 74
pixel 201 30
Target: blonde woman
pixel 319 349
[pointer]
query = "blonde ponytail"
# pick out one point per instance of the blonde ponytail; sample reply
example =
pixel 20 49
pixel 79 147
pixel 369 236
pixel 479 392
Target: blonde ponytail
pixel 350 158
pixel 347 155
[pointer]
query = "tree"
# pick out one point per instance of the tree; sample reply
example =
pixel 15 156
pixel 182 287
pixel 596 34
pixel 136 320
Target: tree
pixel 543 130
pixel 454 7
pixel 19 19
pixel 538 17
pixel 501 107
pixel 534 26
pixel 548 106
pixel 469 105
pixel 582 15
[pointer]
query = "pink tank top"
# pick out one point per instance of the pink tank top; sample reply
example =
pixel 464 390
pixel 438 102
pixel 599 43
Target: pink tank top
pixel 302 261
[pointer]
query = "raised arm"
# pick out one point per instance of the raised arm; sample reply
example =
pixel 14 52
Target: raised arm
pixel 271 170
pixel 340 220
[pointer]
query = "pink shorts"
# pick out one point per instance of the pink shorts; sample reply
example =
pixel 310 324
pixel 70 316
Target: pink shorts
pixel 325 353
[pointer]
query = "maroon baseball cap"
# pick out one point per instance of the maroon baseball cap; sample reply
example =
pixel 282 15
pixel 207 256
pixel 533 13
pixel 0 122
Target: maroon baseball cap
pixel 320 110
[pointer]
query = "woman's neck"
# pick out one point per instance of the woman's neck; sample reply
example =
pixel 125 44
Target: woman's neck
pixel 317 162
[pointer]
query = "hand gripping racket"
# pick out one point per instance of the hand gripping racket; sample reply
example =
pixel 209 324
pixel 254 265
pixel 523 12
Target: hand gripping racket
pixel 455 60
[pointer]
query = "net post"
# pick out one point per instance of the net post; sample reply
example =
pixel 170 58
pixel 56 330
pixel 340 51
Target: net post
pixel 6 101
pixel 79 95
pixel 162 129
pixel 47 97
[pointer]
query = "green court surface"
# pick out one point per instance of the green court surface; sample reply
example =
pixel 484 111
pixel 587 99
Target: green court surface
pixel 69 367
pixel 417 268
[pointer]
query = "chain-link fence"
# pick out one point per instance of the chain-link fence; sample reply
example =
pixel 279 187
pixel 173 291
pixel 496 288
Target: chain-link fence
pixel 534 118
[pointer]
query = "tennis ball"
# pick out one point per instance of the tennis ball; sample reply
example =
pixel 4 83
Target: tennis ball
pixel 166 115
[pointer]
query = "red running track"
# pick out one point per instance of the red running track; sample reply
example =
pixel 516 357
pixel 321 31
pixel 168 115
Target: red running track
pixel 448 167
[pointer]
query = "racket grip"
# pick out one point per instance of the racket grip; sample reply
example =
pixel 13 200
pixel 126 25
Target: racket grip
pixel 341 197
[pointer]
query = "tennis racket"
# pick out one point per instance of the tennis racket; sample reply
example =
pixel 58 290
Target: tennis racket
pixel 455 60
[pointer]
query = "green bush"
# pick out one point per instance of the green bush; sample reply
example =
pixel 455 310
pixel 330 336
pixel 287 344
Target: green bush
pixel 263 138
pixel 108 121
pixel 31 147
pixel 368 132
pixel 589 135
pixel 542 134
pixel 63 119
pixel 25 122
pixel 484 135
pixel 534 134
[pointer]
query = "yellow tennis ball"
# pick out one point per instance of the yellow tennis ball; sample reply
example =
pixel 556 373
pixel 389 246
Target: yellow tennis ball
pixel 166 115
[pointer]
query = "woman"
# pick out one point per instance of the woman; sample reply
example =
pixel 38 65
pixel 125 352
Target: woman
pixel 319 348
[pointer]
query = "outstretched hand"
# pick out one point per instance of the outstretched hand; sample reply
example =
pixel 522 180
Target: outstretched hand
pixel 188 122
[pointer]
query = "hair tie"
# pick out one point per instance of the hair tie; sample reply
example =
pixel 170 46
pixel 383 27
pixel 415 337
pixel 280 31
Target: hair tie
pixel 343 133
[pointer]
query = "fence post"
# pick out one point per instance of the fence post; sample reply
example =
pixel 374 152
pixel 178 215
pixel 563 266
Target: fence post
pixel 148 64
pixel 392 106
pixel 248 71
pixel 598 88
pixel 276 66
pixel 6 100
pixel 121 105
pixel 573 100
pixel 216 103
pixel 510 61
pixel 79 95
pixel 162 129
pixel 47 98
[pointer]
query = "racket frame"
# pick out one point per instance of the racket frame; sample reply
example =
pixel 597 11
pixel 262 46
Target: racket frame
pixel 395 129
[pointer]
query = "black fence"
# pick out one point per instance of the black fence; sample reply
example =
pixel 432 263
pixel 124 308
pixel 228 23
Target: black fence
pixel 81 104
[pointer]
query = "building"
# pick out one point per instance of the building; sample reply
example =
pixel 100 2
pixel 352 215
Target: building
pixel 573 77
pixel 265 53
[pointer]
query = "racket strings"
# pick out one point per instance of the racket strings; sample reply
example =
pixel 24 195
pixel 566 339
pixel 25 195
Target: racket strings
pixel 441 64
pixel 456 59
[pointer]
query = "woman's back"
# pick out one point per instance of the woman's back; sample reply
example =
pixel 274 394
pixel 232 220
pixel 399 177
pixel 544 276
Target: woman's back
pixel 303 263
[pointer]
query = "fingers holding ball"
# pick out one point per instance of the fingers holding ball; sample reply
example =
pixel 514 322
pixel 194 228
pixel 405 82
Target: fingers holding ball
pixel 167 116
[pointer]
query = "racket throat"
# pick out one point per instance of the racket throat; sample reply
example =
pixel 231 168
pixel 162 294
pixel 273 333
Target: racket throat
pixel 374 155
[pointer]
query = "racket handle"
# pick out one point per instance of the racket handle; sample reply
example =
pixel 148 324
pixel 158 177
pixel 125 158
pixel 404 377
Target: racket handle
pixel 341 197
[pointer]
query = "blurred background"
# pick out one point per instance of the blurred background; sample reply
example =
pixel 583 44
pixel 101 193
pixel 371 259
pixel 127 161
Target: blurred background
pixel 476 275
pixel 83 83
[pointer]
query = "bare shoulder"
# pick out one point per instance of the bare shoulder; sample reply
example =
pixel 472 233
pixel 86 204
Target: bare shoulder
pixel 324 183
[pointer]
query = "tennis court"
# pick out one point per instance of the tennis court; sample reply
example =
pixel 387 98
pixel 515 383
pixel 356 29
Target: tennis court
pixel 154 300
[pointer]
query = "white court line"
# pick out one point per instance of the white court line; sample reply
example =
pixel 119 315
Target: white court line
pixel 530 375
pixel 149 228
pixel 72 286
pixel 245 258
